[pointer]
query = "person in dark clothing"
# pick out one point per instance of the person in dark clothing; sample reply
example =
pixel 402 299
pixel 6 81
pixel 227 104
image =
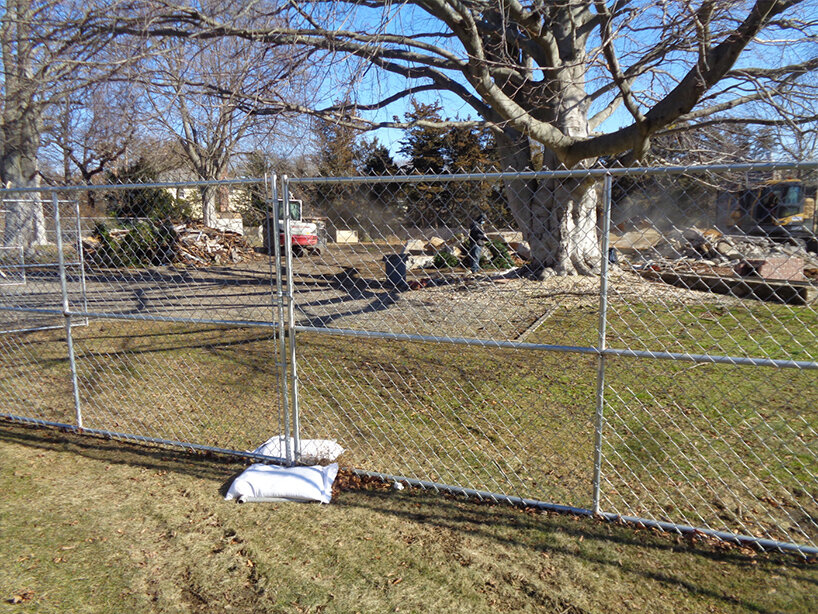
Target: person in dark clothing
pixel 477 239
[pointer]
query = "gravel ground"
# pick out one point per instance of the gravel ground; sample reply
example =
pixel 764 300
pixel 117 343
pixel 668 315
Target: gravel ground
pixel 344 288
pixel 490 305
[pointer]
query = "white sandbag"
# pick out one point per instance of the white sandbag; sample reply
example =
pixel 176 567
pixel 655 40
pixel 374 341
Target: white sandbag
pixel 273 483
pixel 313 450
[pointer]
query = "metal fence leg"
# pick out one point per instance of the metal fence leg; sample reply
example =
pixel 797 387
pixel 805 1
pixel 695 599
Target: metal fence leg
pixel 66 309
pixel 291 320
pixel 601 344
pixel 81 257
pixel 274 242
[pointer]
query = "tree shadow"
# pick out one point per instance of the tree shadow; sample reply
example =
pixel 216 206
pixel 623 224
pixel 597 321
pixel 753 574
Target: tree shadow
pixel 351 287
pixel 491 520
pixel 212 293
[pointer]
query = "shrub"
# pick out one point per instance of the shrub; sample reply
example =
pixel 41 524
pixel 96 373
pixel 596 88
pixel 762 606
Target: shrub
pixel 496 256
pixel 139 202
pixel 445 260
pixel 139 243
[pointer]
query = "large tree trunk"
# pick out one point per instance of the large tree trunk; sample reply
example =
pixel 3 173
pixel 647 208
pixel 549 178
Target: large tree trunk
pixel 25 222
pixel 209 194
pixel 558 217
pixel 24 218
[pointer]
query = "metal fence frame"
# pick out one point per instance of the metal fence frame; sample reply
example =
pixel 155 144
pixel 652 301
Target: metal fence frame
pixel 602 350
pixel 283 321
pixel 276 321
pixel 73 205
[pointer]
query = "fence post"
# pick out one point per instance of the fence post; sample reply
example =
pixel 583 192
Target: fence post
pixel 69 336
pixel 288 250
pixel 81 257
pixel 274 243
pixel 599 420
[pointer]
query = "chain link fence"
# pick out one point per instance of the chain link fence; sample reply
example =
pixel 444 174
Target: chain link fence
pixel 635 343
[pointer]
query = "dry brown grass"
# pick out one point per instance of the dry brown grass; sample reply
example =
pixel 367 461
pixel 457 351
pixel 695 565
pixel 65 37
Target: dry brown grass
pixel 91 525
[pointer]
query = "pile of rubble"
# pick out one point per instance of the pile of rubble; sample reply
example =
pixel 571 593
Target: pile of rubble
pixel 146 244
pixel 421 253
pixel 199 245
pixel 709 252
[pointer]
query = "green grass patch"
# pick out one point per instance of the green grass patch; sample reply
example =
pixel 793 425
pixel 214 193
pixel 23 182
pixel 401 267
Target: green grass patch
pixel 748 329
pixel 727 446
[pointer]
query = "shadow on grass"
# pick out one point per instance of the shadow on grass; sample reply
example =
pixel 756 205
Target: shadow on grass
pixel 623 549
pixel 593 540
pixel 201 465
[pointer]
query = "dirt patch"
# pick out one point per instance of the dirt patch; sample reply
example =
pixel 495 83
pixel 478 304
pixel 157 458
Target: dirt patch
pixel 351 292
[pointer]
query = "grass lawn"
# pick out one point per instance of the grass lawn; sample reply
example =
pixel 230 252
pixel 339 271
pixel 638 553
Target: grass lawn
pixel 728 447
pixel 91 525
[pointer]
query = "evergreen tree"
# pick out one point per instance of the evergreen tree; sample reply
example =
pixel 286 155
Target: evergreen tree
pixel 138 202
pixel 469 149
pixel 473 150
pixel 425 148
pixel 335 157
pixel 458 149
pixel 336 149
pixel 373 159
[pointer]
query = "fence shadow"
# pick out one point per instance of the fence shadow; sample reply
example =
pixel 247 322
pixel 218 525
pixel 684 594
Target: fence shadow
pixel 545 532
pixel 194 464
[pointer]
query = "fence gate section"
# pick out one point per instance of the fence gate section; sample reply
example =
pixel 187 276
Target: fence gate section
pixel 143 329
pixel 662 368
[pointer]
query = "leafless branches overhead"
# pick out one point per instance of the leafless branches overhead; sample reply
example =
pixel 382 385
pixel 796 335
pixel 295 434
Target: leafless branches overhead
pixel 550 71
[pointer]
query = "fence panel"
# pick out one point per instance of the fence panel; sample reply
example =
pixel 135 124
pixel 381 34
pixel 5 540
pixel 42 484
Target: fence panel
pixel 176 317
pixel 713 425
pixel 416 364
pixel 36 374
pixel 633 342
pixel 207 385
pixel 706 331
pixel 30 288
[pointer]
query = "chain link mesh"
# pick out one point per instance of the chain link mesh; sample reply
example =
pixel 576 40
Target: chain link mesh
pixel 169 318
pixel 439 347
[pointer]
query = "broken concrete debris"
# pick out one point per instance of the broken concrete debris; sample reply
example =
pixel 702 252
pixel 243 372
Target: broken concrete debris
pixel 709 252
pixel 787 268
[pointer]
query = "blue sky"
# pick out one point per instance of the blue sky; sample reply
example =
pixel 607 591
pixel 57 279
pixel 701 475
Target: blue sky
pixel 407 19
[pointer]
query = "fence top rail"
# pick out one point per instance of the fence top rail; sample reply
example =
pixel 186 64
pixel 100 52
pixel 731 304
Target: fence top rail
pixel 495 175
pixel 558 174
pixel 130 186
pixel 26 201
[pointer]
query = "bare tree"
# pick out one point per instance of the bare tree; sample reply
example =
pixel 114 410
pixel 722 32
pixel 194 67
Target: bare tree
pixel 48 49
pixel 205 92
pixel 22 118
pixel 92 129
pixel 547 75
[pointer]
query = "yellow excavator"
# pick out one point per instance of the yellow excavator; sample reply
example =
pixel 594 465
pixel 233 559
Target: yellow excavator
pixel 780 209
